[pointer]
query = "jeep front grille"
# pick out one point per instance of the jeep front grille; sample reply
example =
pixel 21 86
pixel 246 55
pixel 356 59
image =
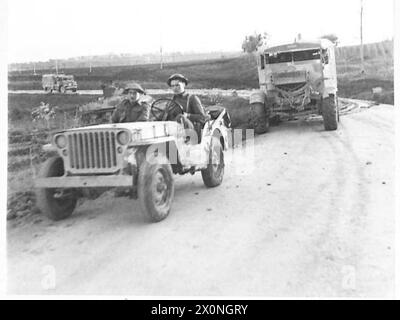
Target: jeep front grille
pixel 92 151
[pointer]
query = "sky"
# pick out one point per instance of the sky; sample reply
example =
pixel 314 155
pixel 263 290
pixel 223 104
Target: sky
pixel 47 29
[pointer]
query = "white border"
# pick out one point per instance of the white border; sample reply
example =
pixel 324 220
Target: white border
pixel 396 9
pixel 3 191
pixel 3 143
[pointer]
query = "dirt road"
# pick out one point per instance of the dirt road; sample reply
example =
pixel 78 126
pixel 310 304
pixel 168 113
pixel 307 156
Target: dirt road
pixel 311 214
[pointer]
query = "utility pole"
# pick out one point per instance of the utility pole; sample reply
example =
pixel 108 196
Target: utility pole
pixel 161 58
pixel 161 44
pixel 361 37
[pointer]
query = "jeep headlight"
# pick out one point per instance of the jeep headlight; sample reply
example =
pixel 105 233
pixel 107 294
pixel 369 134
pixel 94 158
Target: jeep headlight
pixel 123 137
pixel 61 141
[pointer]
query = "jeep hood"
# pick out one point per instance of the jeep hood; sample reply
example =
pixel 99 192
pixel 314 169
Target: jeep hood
pixel 148 130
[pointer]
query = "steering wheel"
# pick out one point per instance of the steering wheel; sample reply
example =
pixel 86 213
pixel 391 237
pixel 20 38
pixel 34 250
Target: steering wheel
pixel 165 109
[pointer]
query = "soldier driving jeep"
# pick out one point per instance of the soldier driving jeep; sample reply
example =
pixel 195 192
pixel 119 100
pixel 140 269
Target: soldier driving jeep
pixel 194 115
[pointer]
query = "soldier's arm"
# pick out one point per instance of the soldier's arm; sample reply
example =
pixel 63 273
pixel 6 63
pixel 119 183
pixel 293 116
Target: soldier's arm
pixel 197 112
pixel 144 116
pixel 115 118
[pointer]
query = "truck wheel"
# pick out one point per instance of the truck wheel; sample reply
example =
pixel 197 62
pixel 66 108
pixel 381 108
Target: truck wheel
pixel 330 113
pixel 74 90
pixel 156 187
pixel 62 89
pixel 259 119
pixel 214 173
pixel 55 203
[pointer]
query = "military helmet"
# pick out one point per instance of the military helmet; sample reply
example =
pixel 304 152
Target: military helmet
pixel 177 76
pixel 135 86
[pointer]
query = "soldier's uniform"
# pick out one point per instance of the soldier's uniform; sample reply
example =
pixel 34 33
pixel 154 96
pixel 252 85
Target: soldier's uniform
pixel 191 104
pixel 126 111
pixel 131 112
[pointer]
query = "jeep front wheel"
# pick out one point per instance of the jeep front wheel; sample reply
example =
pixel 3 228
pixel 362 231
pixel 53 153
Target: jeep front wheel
pixel 155 187
pixel 330 113
pixel 214 173
pixel 55 203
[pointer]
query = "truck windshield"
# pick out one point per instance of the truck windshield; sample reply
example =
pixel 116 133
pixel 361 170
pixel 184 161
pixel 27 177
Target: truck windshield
pixel 283 57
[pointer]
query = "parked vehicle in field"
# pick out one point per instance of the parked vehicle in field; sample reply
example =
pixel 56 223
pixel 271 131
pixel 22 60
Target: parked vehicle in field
pixel 59 82
pixel 296 78
pixel 140 156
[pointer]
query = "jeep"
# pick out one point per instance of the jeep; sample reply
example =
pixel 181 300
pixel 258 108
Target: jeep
pixel 140 157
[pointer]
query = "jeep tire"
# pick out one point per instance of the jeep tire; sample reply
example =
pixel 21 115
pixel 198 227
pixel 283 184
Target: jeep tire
pixel 55 203
pixel 330 113
pixel 155 187
pixel 214 173
pixel 259 118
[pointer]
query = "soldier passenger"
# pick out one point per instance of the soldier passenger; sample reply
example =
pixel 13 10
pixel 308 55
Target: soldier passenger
pixel 131 109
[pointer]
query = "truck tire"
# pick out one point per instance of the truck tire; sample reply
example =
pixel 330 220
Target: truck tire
pixel 56 208
pixel 259 118
pixel 214 173
pixel 62 89
pixel 155 187
pixel 330 113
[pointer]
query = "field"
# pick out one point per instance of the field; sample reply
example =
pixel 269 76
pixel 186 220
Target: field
pixel 236 73
pixel 26 137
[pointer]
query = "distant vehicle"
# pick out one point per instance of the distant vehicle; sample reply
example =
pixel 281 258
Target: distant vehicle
pixel 59 82
pixel 296 78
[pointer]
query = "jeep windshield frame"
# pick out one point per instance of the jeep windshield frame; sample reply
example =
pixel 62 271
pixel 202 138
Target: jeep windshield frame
pixel 292 56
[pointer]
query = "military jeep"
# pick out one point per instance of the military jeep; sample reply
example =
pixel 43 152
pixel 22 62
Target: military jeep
pixel 297 78
pixel 140 157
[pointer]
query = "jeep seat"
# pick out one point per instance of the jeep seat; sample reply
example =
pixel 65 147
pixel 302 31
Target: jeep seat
pixel 215 111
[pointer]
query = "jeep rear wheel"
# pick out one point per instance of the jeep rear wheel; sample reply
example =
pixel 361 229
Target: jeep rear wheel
pixel 330 113
pixel 259 119
pixel 55 203
pixel 156 187
pixel 214 173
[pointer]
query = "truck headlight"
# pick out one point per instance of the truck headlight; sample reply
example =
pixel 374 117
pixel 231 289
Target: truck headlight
pixel 61 141
pixel 123 137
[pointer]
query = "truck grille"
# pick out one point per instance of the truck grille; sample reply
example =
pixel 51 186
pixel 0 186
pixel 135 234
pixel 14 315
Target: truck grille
pixel 92 150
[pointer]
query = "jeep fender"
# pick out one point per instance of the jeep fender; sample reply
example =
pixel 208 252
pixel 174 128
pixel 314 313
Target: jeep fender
pixel 223 137
pixel 166 146
pixel 258 96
